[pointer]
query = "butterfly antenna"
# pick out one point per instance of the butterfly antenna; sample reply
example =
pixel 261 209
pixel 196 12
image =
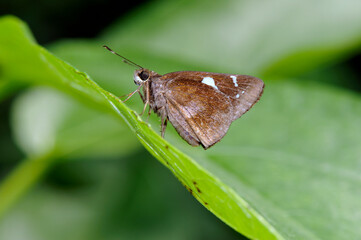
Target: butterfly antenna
pixel 125 60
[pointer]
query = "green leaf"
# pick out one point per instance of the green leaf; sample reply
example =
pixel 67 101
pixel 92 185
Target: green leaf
pixel 297 163
pixel 268 38
pixel 282 144
pixel 291 163
pixel 54 72
pixel 121 198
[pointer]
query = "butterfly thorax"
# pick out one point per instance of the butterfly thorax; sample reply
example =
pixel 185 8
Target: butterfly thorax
pixel 153 89
pixel 158 101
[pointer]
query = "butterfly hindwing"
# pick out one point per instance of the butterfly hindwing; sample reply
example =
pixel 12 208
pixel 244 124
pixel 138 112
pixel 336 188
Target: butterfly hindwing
pixel 175 116
pixel 206 115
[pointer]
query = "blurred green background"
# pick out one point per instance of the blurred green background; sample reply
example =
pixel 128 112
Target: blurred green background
pixel 298 158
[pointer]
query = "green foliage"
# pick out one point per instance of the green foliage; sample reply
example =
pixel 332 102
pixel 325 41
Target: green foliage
pixel 287 170
pixel 193 176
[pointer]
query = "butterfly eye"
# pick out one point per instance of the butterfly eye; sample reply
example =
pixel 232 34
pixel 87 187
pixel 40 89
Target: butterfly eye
pixel 144 75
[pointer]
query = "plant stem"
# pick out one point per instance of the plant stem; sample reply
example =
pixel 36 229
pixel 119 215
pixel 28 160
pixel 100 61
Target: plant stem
pixel 23 177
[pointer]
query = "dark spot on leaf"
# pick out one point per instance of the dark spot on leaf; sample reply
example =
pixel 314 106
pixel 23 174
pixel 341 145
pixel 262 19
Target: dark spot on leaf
pixel 205 203
pixel 166 147
pixel 189 189
pixel 199 190
pixel 194 182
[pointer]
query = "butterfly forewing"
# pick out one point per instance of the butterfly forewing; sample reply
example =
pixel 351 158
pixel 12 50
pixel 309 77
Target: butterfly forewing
pixel 243 90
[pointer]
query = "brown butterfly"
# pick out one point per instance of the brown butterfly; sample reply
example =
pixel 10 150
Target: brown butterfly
pixel 200 105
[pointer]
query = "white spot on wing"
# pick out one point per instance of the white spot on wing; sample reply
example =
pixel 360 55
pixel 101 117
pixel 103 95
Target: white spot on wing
pixel 209 81
pixel 242 91
pixel 234 78
pixel 237 96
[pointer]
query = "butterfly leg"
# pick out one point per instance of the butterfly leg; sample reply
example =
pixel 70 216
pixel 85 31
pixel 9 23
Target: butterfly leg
pixel 164 119
pixel 132 93
pixel 149 112
pixel 164 126
pixel 146 102
pixel 145 106
pixel 141 96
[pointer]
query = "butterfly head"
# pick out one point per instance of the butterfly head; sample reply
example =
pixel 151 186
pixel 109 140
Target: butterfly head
pixel 141 75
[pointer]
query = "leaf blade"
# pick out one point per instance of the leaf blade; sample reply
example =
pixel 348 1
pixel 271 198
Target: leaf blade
pixel 56 73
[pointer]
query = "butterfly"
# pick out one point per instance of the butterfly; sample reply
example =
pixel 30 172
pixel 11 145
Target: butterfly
pixel 200 105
